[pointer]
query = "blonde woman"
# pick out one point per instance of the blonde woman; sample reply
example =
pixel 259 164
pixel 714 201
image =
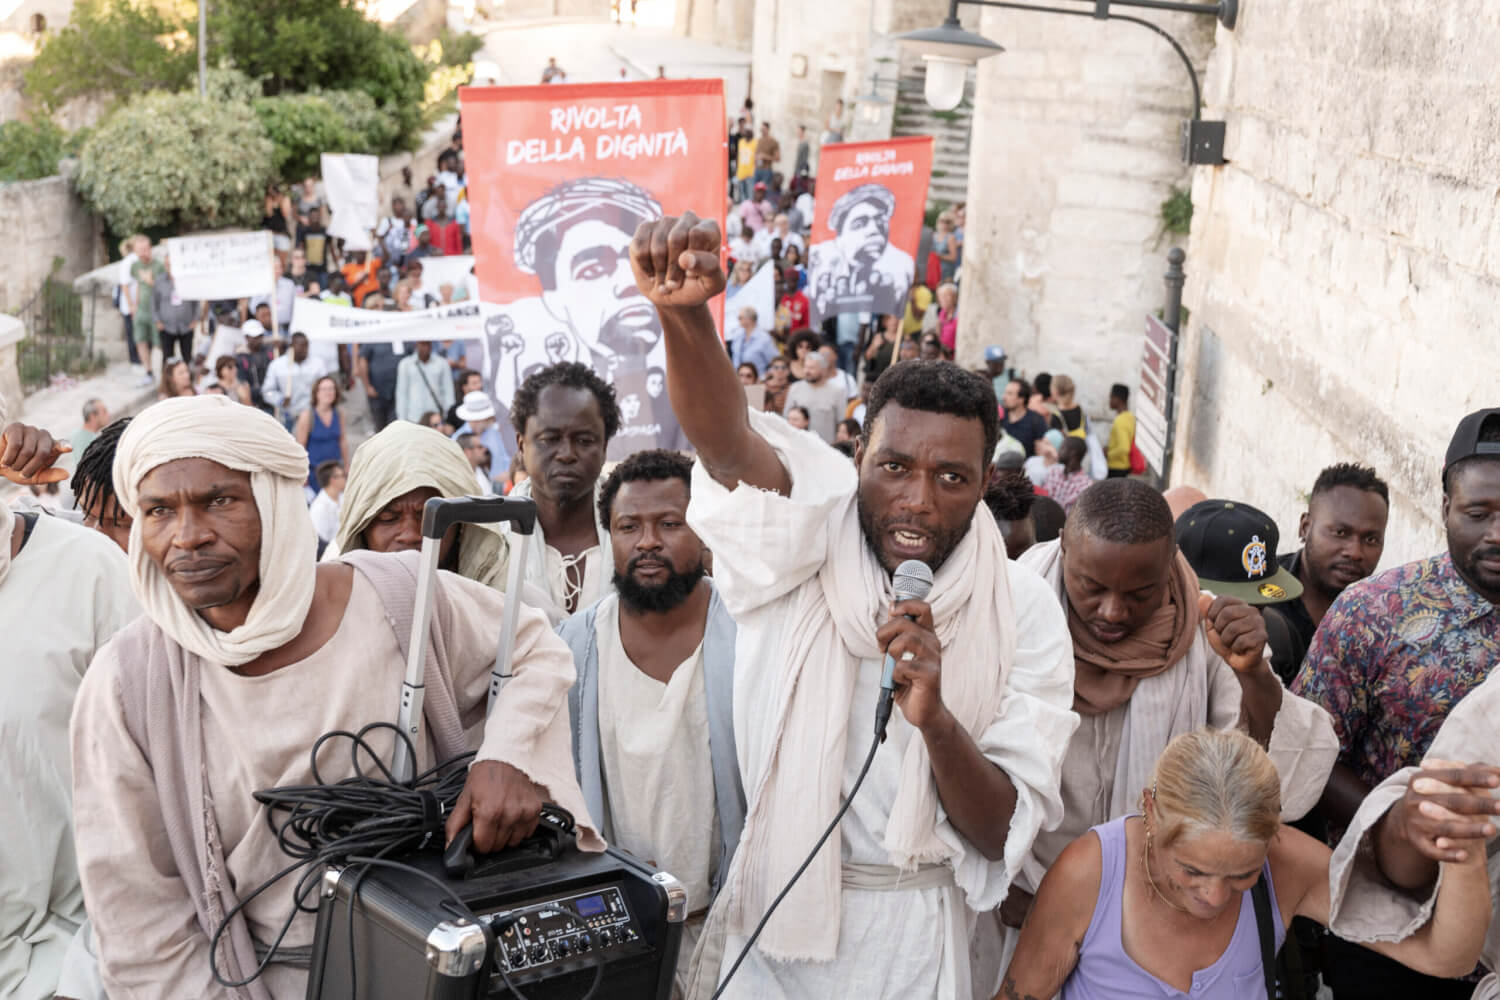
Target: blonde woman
pixel 1163 903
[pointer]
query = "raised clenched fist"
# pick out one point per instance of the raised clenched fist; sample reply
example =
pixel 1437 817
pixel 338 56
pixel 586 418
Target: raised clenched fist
pixel 676 261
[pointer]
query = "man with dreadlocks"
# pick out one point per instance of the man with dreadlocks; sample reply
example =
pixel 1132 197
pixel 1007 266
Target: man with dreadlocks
pixel 54 570
pixel 1155 658
pixel 94 486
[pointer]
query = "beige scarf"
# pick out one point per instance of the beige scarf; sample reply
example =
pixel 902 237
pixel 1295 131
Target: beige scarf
pixel 829 632
pixel 7 516
pixel 246 439
pixel 1106 674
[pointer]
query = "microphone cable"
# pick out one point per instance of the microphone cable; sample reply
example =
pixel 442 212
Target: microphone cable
pixel 361 822
pixel 864 769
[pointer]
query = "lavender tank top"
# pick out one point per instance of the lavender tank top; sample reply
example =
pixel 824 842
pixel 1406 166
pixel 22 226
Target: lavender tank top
pixel 1106 972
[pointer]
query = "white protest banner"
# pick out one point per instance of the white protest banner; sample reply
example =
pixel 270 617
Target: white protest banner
pixel 352 181
pixel 759 293
pixel 221 265
pixel 440 271
pixel 346 324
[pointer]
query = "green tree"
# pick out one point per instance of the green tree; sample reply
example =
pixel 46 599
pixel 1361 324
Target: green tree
pixel 114 49
pixel 179 162
pixel 295 46
pixel 29 150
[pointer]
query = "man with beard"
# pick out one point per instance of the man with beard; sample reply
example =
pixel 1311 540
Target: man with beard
pixel 1391 658
pixel 247 653
pixel 804 551
pixel 576 240
pixel 653 709
pixel 565 416
pixel 1155 658
pixel 858 270
pixel 1343 535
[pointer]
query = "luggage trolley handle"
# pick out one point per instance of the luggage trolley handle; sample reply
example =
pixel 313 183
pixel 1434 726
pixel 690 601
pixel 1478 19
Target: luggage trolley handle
pixel 438 515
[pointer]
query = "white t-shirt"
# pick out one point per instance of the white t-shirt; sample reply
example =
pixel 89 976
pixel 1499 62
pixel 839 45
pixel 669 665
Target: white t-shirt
pixel 126 282
pixel 825 405
pixel 325 516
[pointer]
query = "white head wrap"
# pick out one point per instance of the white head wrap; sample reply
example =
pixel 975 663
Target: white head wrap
pixel 7 516
pixel 248 440
pixel 574 200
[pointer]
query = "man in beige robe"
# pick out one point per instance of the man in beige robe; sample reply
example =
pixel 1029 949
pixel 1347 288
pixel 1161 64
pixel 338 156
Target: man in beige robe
pixel 1395 837
pixel 249 651
pixel 64 591
pixel 1155 658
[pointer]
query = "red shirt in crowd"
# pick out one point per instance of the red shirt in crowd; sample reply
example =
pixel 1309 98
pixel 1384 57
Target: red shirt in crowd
pixel 797 309
pixel 447 237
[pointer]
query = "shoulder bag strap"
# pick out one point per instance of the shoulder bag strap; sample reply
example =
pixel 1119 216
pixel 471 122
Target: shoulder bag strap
pixel 1261 897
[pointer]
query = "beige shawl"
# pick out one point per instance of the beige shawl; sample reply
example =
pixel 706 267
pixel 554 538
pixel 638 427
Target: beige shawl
pixel 1107 674
pixel 237 437
pixel 829 632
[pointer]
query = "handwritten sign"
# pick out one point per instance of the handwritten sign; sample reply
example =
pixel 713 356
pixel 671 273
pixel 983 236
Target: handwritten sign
pixel 221 265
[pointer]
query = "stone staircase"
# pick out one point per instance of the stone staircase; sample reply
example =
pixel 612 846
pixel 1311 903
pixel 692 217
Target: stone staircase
pixel 950 129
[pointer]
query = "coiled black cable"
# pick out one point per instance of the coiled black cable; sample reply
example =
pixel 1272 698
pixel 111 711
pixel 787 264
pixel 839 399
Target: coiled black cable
pixel 360 822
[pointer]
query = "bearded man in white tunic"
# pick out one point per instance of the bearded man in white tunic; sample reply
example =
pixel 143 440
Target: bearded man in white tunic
pixel 804 547
pixel 653 710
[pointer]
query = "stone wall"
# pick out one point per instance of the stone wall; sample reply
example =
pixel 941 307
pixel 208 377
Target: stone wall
pixel 730 23
pixel 1344 268
pixel 1075 147
pixel 41 220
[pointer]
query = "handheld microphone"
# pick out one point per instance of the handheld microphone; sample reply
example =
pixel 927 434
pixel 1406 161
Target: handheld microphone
pixel 911 582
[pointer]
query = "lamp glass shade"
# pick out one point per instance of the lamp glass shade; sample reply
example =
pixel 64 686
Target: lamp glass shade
pixel 944 88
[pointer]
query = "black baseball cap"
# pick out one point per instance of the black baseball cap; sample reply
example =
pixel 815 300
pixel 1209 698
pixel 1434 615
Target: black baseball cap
pixel 1466 443
pixel 1232 548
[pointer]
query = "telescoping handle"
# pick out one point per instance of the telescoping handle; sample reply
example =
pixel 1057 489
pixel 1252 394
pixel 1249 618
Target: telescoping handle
pixel 438 515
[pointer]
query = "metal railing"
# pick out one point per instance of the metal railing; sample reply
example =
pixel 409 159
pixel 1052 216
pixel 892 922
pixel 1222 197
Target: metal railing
pixel 59 337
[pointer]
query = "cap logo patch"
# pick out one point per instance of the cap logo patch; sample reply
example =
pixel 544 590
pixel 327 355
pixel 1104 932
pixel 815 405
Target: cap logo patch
pixel 1253 558
pixel 1271 591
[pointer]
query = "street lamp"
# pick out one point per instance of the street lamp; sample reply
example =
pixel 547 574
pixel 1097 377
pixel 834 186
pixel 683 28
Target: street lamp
pixel 949 50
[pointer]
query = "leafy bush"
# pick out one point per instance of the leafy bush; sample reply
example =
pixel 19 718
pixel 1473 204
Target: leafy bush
pixel 179 161
pixel 458 49
pixel 29 150
pixel 295 46
pixel 302 127
pixel 114 49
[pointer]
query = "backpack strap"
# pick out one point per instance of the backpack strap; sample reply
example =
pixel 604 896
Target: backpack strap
pixel 1261 897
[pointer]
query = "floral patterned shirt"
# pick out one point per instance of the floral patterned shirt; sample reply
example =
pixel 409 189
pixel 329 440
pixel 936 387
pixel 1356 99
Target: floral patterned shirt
pixel 1393 655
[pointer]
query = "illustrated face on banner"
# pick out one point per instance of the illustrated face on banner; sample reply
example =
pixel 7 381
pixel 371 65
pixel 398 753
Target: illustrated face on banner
pixel 869 221
pixel 866 232
pixel 559 179
pixel 582 257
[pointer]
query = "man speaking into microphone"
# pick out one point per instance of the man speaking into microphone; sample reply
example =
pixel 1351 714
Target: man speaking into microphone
pixel 804 550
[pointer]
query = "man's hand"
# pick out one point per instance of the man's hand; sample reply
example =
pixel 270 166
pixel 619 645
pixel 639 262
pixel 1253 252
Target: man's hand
pixel 914 645
pixel 1445 811
pixel 676 261
pixel 503 804
pixel 1236 631
pixel 28 455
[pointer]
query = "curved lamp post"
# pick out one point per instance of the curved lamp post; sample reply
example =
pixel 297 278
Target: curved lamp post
pixel 949 50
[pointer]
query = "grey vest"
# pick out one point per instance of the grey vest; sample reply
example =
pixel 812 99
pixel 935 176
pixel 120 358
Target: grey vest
pixel 718 688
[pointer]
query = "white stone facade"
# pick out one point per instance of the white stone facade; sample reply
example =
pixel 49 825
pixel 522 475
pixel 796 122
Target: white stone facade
pixel 1344 268
pixel 1075 148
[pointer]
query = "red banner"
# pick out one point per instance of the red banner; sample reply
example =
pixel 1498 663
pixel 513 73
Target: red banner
pixel 559 177
pixel 868 222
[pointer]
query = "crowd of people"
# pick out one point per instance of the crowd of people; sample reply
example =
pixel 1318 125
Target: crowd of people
pixel 1136 749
